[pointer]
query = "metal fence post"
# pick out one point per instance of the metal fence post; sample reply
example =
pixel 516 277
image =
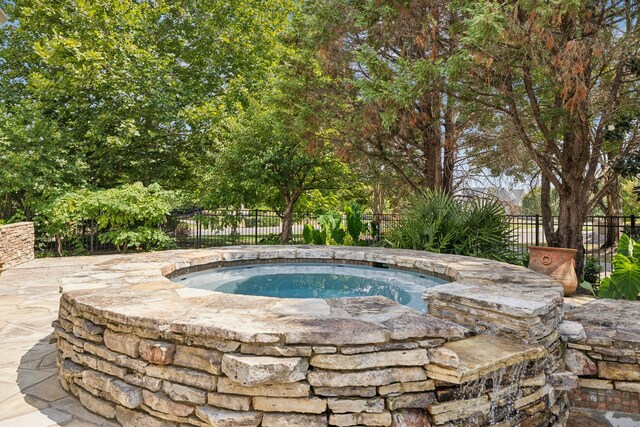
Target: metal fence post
pixel 537 230
pixel 256 227
pixel 633 222
pixel 198 232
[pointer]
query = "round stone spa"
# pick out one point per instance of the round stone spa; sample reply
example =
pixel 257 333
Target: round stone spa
pixel 319 280
pixel 233 337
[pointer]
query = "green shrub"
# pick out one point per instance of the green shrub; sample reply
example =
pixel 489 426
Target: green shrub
pixel 128 217
pixel 437 222
pixel 624 282
pixel 355 226
pixel 592 269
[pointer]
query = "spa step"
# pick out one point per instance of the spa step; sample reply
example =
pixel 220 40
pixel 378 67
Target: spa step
pixel 466 360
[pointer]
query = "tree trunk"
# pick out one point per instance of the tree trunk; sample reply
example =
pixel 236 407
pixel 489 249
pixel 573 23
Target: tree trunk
pixel 449 149
pixel 287 222
pixel 571 217
pixel 614 209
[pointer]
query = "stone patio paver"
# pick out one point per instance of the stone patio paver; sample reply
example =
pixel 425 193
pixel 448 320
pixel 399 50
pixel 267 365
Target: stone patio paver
pixel 30 394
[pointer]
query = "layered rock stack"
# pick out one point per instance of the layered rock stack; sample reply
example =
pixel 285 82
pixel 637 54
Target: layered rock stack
pixel 138 349
pixel 603 350
pixel 17 244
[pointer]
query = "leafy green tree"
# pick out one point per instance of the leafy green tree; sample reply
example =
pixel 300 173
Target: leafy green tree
pixel 129 216
pixel 557 76
pixel 125 90
pixel 268 162
pixel 531 202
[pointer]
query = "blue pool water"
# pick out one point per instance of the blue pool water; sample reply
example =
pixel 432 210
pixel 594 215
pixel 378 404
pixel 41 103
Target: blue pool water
pixel 315 280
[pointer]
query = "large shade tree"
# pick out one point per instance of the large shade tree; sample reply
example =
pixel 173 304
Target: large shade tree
pixel 392 102
pixel 132 90
pixel 557 76
pixel 277 151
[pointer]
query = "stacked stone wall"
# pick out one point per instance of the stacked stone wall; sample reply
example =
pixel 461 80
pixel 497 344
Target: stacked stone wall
pixel 603 350
pixel 17 244
pixel 137 349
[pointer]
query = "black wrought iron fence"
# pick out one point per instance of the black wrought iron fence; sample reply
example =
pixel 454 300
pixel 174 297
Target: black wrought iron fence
pixel 199 228
pixel 600 235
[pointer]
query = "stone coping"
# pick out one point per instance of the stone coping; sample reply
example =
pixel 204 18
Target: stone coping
pixel 134 290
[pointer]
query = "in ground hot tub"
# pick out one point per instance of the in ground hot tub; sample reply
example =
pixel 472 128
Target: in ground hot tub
pixel 138 347
pixel 315 280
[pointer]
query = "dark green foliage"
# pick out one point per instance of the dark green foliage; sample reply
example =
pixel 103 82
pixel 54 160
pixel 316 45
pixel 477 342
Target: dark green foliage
pixel 313 236
pixel 130 216
pixel 437 222
pixel 331 224
pixel 355 226
pixel 592 270
pixel 624 282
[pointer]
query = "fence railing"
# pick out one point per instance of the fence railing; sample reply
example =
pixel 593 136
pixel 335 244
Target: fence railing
pixel 600 235
pixel 203 228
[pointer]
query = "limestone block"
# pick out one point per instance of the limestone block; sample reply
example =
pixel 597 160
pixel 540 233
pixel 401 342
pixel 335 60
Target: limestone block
pixel 299 389
pixel 407 387
pixel 410 401
pixel 376 377
pixel 415 357
pixel 293 420
pixel 415 325
pixel 273 350
pixel 579 363
pixel 312 405
pixel 363 418
pixel 410 418
pixel 183 376
pixel 225 418
pixel 633 387
pixel 122 343
pixel 563 380
pixel 157 352
pixel 481 355
pixel 230 401
pixel 198 358
pixel 537 381
pixel 162 403
pixel 595 383
pixel 97 405
pixel 256 370
pixel 345 391
pixel 130 418
pixel 125 394
pixel 340 406
pixel 183 393
pixel 619 371
pixel 382 347
pixel 530 398
pixel 444 357
pixel 145 381
pixel 571 331
pixel 459 409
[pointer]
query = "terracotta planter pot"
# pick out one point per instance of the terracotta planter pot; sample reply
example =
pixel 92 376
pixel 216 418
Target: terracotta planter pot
pixel 559 263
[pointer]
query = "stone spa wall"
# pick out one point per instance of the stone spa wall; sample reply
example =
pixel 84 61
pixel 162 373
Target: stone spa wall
pixel 144 351
pixel 17 244
pixel 603 350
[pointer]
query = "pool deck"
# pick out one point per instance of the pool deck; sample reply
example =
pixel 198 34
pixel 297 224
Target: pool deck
pixel 30 394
